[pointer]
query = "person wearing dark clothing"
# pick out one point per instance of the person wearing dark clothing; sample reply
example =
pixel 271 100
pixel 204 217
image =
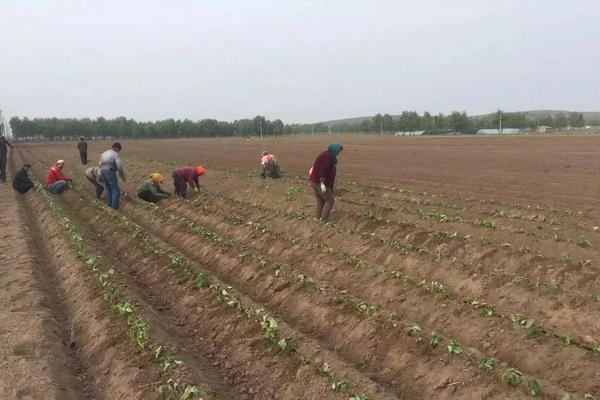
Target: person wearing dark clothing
pixel 21 181
pixel 322 179
pixel 184 176
pixel 4 145
pixel 151 191
pixel 82 147
pixel 270 166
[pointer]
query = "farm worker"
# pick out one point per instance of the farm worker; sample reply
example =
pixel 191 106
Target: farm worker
pixel 322 178
pixel 110 166
pixel 56 182
pixel 270 166
pixel 82 146
pixel 94 175
pixel 21 182
pixel 187 175
pixel 151 191
pixel 3 151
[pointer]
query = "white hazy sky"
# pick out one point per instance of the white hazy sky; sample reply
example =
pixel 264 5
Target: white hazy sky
pixel 298 60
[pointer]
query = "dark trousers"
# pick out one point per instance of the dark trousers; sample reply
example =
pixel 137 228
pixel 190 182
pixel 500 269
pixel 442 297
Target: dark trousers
pixel 325 201
pixel 149 197
pixel 3 167
pixel 180 185
pixel 83 155
pixel 99 187
pixel 23 187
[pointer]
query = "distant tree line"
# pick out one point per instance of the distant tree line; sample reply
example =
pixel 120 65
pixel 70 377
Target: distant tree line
pixel 413 121
pixel 65 128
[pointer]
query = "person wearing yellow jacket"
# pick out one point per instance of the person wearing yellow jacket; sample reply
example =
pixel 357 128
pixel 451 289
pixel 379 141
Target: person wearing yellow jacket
pixel 151 191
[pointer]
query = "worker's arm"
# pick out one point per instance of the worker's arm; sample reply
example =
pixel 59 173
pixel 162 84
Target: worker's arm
pixel 196 183
pixel 119 165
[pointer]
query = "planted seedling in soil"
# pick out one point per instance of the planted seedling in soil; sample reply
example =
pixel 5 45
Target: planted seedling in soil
pixel 341 386
pixel 414 330
pixel 325 369
pixel 487 363
pixel 512 377
pixel 436 339
pixel 454 347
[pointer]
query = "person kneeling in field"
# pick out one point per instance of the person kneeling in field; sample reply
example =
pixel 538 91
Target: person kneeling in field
pixel 187 175
pixel 95 177
pixel 21 181
pixel 56 182
pixel 151 191
pixel 270 166
pixel 322 178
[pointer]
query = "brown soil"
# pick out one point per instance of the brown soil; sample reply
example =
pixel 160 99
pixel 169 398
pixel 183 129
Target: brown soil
pixel 460 236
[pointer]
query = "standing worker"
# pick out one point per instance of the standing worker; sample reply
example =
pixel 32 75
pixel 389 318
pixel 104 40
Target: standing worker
pixel 110 165
pixel 3 158
pixel 187 175
pixel 151 191
pixel 56 182
pixel 95 176
pixel 270 166
pixel 82 146
pixel 322 178
pixel 21 182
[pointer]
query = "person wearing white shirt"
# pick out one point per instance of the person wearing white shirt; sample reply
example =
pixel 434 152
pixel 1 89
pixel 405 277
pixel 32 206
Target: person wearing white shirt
pixel 110 166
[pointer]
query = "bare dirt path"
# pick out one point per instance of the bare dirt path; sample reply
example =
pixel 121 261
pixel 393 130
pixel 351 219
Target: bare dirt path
pixel 36 358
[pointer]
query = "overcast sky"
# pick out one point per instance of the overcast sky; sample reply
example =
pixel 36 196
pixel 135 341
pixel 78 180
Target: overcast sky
pixel 298 60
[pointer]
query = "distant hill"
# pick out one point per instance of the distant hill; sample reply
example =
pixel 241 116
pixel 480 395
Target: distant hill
pixel 530 115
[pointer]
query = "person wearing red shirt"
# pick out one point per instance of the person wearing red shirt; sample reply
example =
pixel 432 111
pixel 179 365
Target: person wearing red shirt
pixel 184 176
pixel 322 179
pixel 56 182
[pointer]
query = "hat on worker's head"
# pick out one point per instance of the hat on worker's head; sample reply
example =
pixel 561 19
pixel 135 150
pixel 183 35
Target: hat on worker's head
pixel 156 177
pixel 59 162
pixel 200 170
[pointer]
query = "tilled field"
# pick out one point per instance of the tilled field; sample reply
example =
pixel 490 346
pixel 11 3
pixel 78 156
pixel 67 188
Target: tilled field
pixel 418 288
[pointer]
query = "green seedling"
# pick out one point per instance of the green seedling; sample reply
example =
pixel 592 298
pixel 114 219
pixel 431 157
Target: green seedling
pixel 454 347
pixel 533 388
pixel 483 308
pixel 285 346
pixel 568 396
pixel 139 331
pixel 395 319
pixel 414 330
pixel 524 249
pixel 202 280
pixel 565 339
pixel 564 257
pixel 325 369
pixel 484 223
pixel 584 263
pixel 436 339
pixel 505 245
pixel 341 386
pixel 170 361
pixel 269 327
pixel 586 244
pixel 359 397
pixel 167 388
pixel 368 309
pixel 486 363
pixel 124 308
pixel 512 377
pixel 190 392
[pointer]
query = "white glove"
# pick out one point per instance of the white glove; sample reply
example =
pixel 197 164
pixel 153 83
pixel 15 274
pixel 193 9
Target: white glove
pixel 323 188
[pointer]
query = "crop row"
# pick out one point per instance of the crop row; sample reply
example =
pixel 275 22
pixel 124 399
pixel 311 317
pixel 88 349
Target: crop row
pixel 433 287
pixel 268 324
pixel 411 328
pixel 137 327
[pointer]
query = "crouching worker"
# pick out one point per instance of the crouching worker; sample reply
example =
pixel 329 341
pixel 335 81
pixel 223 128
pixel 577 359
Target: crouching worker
pixel 21 181
pixel 151 191
pixel 95 177
pixel 56 182
pixel 270 166
pixel 187 176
